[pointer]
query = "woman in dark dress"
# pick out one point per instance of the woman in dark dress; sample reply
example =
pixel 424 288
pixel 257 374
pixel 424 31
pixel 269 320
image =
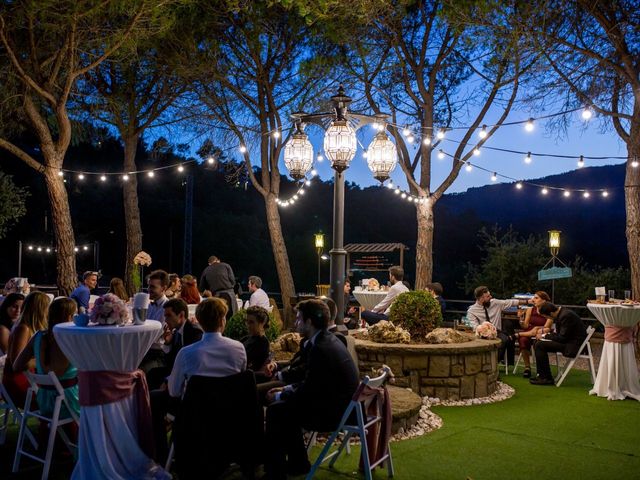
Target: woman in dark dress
pixel 533 321
pixel 256 343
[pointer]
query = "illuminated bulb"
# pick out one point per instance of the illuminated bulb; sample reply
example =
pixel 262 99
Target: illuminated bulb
pixel 397 191
pixel 376 125
pixel 587 113
pixel 276 134
pixel 103 178
pixel 483 133
pixel 404 195
pixel 476 151
pixel 586 195
pixel 307 183
pixel 125 177
pixel 319 157
pixel 39 249
pixel 365 154
pixel 605 193
pixel 81 177
pixel 441 154
pixel 211 160
pixel 180 168
pixel 494 177
pixel 527 159
pixel 566 193
pixel 295 197
pixel 410 199
pixel 314 172
pixel 529 125
pixel 301 192
pixel 545 191
pixel 440 134
pixel 48 250
pixel 519 186
pixel 390 185
pixel 468 168
pixel 292 201
pixel 634 164
pixel 30 247
pixel 243 149
pixel 60 173
pixel 406 132
pixel 75 249
pixel 427 140
pixel 150 174
pixel 410 139
pixel 581 162
pixel 85 248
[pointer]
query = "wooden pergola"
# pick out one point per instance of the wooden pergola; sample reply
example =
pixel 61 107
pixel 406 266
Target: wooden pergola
pixel 374 248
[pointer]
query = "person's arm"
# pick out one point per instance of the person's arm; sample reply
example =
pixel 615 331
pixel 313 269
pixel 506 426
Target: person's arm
pixel 527 318
pixel 385 302
pixel 4 339
pixel 203 285
pixel 232 278
pixel 21 363
pixel 175 382
pixel 22 335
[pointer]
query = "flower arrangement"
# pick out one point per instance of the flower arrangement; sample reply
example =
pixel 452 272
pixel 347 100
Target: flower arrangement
pixel 109 309
pixel 142 258
pixel 373 284
pixel 486 330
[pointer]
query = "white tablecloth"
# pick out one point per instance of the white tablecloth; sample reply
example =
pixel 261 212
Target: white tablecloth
pixel 108 442
pixel 617 376
pixel 369 299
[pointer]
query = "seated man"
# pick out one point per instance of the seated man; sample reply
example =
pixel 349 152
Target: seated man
pixel 259 297
pixel 382 309
pixel 178 330
pixel 82 293
pixel 489 309
pixel 436 290
pixel 571 332
pixel 316 403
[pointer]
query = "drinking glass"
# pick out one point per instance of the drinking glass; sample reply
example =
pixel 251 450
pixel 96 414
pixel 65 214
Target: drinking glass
pixel 627 294
pixel 612 294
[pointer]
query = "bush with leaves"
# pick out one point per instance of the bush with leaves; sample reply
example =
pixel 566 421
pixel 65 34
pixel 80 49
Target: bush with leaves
pixel 237 329
pixel 12 203
pixel 417 312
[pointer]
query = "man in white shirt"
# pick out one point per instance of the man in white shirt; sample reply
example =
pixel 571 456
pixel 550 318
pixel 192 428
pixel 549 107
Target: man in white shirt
pixel 214 355
pixel 489 309
pixel 382 309
pixel 259 297
pixel 153 364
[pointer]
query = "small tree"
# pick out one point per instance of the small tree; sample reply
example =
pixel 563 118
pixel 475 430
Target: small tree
pixel 11 203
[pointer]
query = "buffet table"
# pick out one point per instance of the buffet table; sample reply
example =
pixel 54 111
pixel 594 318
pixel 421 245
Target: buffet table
pixel 112 444
pixel 617 376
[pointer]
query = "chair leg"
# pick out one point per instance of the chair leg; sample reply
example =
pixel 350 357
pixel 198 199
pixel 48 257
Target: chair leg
pixel 515 367
pixel 390 471
pixel 23 427
pixel 343 446
pixel 323 453
pixel 565 372
pixel 167 466
pixel 364 449
pixel 592 367
pixel 53 429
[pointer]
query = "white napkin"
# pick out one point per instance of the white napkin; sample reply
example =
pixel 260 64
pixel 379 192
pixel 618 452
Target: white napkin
pixel 601 291
pixel 141 300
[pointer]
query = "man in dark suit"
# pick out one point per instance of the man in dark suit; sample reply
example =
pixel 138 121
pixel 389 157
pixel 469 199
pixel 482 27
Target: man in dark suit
pixel 570 333
pixel 317 402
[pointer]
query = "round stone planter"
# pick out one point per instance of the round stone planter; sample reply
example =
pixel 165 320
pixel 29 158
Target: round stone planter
pixel 449 371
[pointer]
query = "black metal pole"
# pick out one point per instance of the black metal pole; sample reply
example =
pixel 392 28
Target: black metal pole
pixel 338 253
pixel 318 284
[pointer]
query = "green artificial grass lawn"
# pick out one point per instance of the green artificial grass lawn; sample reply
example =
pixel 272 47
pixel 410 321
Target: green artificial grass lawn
pixel 542 432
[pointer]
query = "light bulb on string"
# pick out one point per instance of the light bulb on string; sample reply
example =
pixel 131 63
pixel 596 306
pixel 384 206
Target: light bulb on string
pixel 605 193
pixel 441 154
pixel 81 177
pixel 40 249
pixel 390 184
pixel 404 195
pixel 307 183
pixel 483 133
pixel 48 250
pixel 635 163
pixel 410 138
pixel 468 167
pixel 519 185
pixel 527 159
pixel 440 134
pixel 406 132
pixel 319 158
pixel 76 249
pixel 125 177
pixel 586 194
pixel 545 191
pixel 85 248
pixel 103 178
pixel 587 113
pixel 397 191
pixel 566 193
pixel 295 197
pixel 180 168
pixel 314 172
pixel 60 173
pixel 529 126
pixel 243 149
pixel 150 174
pixel 376 125
pixel 276 134
pixel 301 191
pixel 581 161
pixel 211 160
pixel 30 247
pixel 476 151
pixel 426 140
pixel 494 177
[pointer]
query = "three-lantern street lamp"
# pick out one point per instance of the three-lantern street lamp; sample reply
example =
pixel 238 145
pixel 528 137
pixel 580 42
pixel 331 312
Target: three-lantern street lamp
pixel 340 146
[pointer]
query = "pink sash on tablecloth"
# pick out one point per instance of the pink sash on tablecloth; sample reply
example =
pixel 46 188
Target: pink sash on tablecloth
pixel 613 333
pixel 102 387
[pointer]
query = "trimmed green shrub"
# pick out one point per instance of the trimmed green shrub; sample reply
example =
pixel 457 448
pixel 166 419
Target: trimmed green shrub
pixel 417 312
pixel 237 329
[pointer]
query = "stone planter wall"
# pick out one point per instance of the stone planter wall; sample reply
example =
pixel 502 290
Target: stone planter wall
pixel 451 371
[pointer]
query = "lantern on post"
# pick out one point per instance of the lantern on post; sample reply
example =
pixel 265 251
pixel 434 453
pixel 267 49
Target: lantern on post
pixel 554 242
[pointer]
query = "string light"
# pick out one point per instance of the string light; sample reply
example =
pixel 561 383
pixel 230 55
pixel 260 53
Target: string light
pixel 581 161
pixel 150 174
pixel 440 134
pixel 529 126
pixel 403 195
pixel 39 249
pixel 440 154
pixel 397 191
pixel 211 160
pixel 527 159
pixel 406 132
pixel 476 151
pixel 180 168
pixel 61 173
pixel 566 193
pixel 634 163
pixel 605 193
pixel 314 172
pixel 426 140
pixel 586 195
pixel 468 167
pixel 125 177
pixel 307 183
pixel 483 133
pixel 494 177
pixel 519 185
pixel 545 191
pixel 319 158
pixel 410 138
pixel 587 113
pixel 103 178
pixel 276 134
pixel 243 149
pixel 81 177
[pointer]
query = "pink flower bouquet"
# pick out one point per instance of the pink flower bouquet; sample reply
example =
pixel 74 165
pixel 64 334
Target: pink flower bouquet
pixel 109 310
pixel 486 330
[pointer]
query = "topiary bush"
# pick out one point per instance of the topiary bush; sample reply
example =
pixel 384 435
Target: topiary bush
pixel 418 312
pixel 237 329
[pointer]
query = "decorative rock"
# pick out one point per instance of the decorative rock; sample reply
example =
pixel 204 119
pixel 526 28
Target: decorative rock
pixel 446 335
pixel 387 332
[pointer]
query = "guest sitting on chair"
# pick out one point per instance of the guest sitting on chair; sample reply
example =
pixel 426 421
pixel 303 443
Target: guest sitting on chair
pixel 82 293
pixel 259 297
pixel 436 290
pixel 116 286
pixel 154 358
pixel 317 403
pixel 189 292
pixel 175 285
pixel 531 324
pixel 9 313
pixel 50 358
pixel 255 343
pixel 571 332
pixel 382 309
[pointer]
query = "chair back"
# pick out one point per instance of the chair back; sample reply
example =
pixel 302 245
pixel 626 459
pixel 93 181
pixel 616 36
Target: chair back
pixel 36 381
pixel 219 422
pixel 590 332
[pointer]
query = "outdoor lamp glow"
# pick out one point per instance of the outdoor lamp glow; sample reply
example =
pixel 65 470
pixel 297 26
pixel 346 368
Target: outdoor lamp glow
pixel 382 157
pixel 340 144
pixel 319 240
pixel 298 154
pixel 554 241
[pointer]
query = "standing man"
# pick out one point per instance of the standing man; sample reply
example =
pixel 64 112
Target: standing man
pixel 382 309
pixel 571 332
pixel 489 309
pixel 82 293
pixel 259 297
pixel 217 277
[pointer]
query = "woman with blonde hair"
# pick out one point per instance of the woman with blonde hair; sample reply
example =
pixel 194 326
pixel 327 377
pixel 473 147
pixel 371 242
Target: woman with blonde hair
pixel 117 288
pixel 33 319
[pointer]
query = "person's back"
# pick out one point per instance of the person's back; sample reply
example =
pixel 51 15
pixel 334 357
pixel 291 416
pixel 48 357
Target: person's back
pixel 217 276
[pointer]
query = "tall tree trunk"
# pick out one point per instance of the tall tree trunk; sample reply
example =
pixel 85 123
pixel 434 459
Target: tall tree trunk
pixel 65 243
pixel 424 245
pixel 131 213
pixel 632 205
pixel 281 257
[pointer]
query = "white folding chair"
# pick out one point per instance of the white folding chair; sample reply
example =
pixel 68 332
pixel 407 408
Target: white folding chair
pixel 360 404
pixel 564 370
pixel 532 357
pixel 9 409
pixel 55 422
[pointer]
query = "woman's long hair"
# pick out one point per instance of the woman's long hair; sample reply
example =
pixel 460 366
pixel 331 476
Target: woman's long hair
pixel 60 310
pixel 189 292
pixel 8 301
pixel 34 311
pixel 117 288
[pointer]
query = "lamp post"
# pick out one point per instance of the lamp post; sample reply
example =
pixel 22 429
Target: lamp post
pixel 340 146
pixel 554 247
pixel 319 238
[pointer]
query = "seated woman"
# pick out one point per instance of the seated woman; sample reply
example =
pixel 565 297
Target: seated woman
pixel 189 292
pixel 50 358
pixel 256 343
pixel 117 288
pixel 32 320
pixel 9 314
pixel 531 325
pixel 175 285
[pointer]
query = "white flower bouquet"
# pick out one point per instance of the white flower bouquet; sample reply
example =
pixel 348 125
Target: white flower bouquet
pixel 109 310
pixel 486 330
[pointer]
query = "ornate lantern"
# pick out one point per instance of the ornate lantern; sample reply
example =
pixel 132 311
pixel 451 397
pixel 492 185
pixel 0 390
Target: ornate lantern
pixel 381 156
pixel 298 154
